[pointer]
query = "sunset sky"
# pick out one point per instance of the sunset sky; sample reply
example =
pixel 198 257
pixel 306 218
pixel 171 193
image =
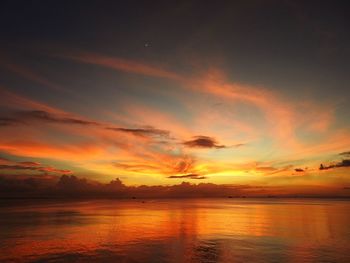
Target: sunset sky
pixel 156 93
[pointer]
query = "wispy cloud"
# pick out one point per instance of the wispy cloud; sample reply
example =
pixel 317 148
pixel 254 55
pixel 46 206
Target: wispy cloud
pixel 146 131
pixel 2 159
pixel 8 165
pixel 137 167
pixel 121 64
pixel 34 168
pixel 13 100
pixel 49 117
pixel 276 170
pixel 29 163
pixel 29 74
pixel 4 121
pixel 27 117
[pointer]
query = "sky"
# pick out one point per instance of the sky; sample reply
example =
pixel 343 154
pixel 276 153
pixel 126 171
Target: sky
pixel 251 93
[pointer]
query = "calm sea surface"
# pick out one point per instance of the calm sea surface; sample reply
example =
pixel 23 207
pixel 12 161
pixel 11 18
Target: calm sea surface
pixel 182 230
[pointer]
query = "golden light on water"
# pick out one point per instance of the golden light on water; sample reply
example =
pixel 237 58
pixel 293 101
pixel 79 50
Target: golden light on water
pixel 178 230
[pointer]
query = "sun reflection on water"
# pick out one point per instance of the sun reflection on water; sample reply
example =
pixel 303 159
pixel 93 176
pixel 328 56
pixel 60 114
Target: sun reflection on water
pixel 197 230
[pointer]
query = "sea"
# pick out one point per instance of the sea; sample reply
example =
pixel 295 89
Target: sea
pixel 175 230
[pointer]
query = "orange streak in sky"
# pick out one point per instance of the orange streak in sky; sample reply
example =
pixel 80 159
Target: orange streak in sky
pixel 125 65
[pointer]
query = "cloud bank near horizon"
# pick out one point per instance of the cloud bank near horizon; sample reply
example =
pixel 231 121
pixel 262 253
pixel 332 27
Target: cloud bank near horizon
pixel 72 187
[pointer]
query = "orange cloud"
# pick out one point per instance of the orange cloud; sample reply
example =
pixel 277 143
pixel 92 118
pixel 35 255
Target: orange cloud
pixel 279 114
pixel 12 100
pixel 78 151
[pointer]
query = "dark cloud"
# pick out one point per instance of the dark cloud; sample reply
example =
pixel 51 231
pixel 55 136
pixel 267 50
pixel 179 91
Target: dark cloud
pixel 33 168
pixel 146 131
pixel 189 176
pixel 29 163
pixel 345 153
pixel 203 142
pixel 16 167
pixel 26 117
pixel 70 186
pixel 343 163
pixel 68 183
pixel 54 170
pixel 116 184
pixel 299 170
pixel 4 159
pixel 143 132
pixel 30 166
pixel 8 121
pixel 25 187
pixel 49 117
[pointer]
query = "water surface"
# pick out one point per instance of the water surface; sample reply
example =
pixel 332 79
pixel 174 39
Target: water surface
pixel 182 230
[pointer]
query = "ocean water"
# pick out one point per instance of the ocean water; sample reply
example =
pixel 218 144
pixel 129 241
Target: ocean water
pixel 181 230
